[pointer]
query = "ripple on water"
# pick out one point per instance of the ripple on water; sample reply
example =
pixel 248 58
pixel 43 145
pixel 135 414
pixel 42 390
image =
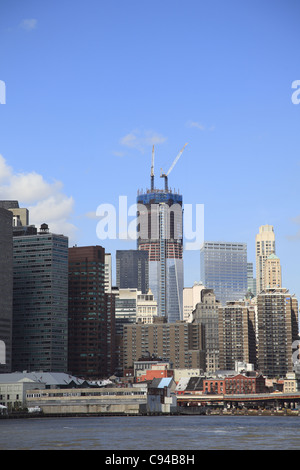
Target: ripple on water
pixel 161 433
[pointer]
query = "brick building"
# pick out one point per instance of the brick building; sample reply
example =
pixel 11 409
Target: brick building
pixel 238 384
pixel 180 343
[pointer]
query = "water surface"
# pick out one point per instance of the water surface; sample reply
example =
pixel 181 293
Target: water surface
pixel 152 433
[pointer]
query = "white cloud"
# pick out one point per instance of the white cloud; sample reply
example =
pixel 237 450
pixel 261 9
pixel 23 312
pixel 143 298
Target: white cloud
pixel 296 236
pixel 119 154
pixel 139 140
pixel 45 201
pixel 130 140
pixel 296 220
pixel 29 24
pixel 199 125
pixel 91 215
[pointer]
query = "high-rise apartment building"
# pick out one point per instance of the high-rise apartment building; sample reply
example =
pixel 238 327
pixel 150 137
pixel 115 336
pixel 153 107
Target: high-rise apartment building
pixel 272 271
pixel 90 326
pixel 40 302
pixel 206 314
pixel 191 296
pixel 131 306
pixel 125 313
pixel 179 343
pixel 132 270
pixel 223 268
pixel 264 246
pixel 160 233
pixel 6 290
pixel 108 273
pixel 110 305
pixel 277 329
pixel 146 307
pixel 237 339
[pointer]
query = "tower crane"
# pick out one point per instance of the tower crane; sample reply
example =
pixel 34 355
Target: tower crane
pixel 152 170
pixel 165 175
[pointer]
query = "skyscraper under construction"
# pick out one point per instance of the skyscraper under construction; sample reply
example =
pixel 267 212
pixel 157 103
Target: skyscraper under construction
pixel 160 232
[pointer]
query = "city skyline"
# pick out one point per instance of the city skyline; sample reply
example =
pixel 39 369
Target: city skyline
pixel 86 99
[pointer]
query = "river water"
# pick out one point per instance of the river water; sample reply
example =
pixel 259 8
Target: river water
pixel 152 433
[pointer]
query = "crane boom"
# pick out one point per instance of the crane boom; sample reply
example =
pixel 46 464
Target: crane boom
pixel 176 160
pixel 163 175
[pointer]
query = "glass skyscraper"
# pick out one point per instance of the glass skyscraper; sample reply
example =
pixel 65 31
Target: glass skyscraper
pixel 132 270
pixel 223 267
pixel 6 289
pixel 160 233
pixel 89 335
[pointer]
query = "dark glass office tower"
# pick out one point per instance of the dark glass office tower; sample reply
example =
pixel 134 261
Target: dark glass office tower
pixel 132 270
pixel 91 314
pixel 40 302
pixel 6 289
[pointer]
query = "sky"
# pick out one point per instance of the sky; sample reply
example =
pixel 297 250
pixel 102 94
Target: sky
pixel 90 87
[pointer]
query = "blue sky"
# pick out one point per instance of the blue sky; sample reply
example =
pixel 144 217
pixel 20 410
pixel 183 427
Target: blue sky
pixel 90 86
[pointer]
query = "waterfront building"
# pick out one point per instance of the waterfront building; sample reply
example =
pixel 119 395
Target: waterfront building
pixel 191 296
pixel 91 400
pixel 223 268
pixel 156 397
pixel 237 341
pixel 248 383
pixel 157 371
pixel 14 386
pixel 6 290
pixel 40 301
pixel 206 314
pixel 91 314
pixel 264 246
pixel 132 270
pixel 277 329
pixel 179 343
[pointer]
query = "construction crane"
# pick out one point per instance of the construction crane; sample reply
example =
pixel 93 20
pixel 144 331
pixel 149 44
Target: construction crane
pixel 152 170
pixel 165 175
